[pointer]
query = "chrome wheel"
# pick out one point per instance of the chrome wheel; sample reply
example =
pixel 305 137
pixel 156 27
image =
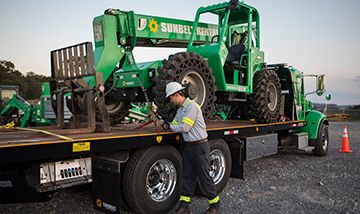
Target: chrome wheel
pixel 217 165
pixel 161 180
pixel 325 140
pixel 197 81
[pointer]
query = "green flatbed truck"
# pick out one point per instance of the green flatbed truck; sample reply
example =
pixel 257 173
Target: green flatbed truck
pixel 136 170
pixel 140 169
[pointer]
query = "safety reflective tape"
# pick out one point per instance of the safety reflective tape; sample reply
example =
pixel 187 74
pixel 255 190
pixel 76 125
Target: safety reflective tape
pixel 231 132
pixel 188 103
pixel 188 121
pixel 174 122
pixel 197 105
pixel 215 200
pixel 185 198
pixel 192 101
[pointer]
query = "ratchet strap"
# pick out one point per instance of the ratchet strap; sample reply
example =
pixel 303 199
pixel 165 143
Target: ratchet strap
pixel 45 132
pixel 11 125
pixel 8 126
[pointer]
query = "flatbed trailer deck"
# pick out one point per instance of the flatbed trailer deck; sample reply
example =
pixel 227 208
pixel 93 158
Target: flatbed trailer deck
pixel 125 165
pixel 30 145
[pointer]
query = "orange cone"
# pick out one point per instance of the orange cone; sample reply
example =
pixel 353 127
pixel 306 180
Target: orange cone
pixel 345 148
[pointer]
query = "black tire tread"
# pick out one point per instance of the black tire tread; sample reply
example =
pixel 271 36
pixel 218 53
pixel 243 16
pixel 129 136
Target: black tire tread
pixel 132 172
pixel 319 150
pixel 119 116
pixel 171 70
pixel 258 106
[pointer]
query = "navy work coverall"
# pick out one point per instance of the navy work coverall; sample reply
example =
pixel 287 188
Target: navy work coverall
pixel 190 122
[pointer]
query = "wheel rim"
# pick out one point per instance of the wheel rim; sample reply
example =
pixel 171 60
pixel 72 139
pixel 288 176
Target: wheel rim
pixel 198 82
pixel 217 165
pixel 272 96
pixel 113 107
pixel 161 180
pixel 325 140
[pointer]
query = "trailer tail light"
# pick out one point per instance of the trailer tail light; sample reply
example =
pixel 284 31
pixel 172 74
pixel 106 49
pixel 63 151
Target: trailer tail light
pixel 231 132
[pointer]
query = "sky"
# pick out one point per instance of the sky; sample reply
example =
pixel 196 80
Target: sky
pixel 315 36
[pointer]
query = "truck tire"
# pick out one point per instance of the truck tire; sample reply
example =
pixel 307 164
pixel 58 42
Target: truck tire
pixel 148 170
pixel 185 67
pixel 265 100
pixel 322 142
pixel 220 161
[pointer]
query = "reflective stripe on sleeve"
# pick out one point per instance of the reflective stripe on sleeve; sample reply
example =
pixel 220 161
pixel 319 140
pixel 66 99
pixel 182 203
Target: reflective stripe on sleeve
pixel 174 122
pixel 188 121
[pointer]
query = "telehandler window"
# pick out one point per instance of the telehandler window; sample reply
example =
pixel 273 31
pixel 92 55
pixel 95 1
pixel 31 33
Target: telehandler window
pixel 213 19
pixel 239 35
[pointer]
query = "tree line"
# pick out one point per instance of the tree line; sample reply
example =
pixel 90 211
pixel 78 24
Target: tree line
pixel 29 83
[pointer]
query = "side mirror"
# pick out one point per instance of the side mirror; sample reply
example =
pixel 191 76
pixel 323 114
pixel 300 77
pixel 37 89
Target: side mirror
pixel 320 85
pixel 328 97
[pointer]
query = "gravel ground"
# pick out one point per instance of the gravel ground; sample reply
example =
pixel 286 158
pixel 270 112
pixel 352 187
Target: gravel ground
pixel 282 183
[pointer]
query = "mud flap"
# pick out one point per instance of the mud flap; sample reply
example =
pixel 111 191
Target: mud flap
pixel 237 149
pixel 107 183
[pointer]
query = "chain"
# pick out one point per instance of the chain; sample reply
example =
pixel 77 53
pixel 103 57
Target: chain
pixel 121 128
pixel 153 115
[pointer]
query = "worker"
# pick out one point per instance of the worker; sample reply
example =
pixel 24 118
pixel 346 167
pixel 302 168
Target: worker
pixel 238 47
pixel 190 122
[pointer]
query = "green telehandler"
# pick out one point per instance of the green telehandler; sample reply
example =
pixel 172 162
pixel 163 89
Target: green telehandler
pixel 26 114
pixel 223 69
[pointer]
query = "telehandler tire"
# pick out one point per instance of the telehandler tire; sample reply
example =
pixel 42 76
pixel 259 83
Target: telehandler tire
pixel 117 111
pixel 266 98
pixel 190 69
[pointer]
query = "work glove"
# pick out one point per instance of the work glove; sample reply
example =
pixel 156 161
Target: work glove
pixel 166 126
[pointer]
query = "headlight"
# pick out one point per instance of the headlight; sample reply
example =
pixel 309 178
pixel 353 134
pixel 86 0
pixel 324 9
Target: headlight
pixel 151 73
